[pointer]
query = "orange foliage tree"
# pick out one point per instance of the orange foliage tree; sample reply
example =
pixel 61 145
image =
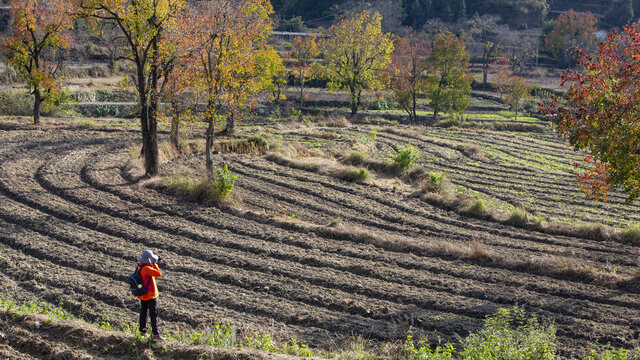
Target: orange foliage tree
pixel 40 27
pixel 570 30
pixel 143 24
pixel 408 70
pixel 601 114
pixel 303 52
pixel 227 46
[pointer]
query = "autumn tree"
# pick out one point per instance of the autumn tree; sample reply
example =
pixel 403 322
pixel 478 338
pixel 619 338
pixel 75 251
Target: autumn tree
pixel 304 50
pixel 518 89
pixel 602 116
pixel 448 85
pixel 502 72
pixel 224 37
pixel 40 28
pixel 487 36
pixel 408 70
pixel 357 53
pixel 143 24
pixel 570 30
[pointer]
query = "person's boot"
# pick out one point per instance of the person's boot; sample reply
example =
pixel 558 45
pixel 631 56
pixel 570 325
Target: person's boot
pixel 158 338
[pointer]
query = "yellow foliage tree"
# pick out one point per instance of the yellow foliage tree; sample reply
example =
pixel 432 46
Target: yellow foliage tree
pixel 357 54
pixel 143 24
pixel 229 58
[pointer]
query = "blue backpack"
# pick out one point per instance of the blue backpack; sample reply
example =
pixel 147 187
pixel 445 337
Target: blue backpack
pixel 137 287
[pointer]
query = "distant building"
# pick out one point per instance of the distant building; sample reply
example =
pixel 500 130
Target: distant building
pixel 601 35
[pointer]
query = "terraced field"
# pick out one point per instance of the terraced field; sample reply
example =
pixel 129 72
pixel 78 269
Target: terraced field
pixel 72 223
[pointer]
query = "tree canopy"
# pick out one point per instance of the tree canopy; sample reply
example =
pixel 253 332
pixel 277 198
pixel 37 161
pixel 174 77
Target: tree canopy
pixel 39 30
pixel 357 54
pixel 602 115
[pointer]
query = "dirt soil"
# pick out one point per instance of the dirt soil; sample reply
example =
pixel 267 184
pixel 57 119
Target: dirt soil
pixel 72 224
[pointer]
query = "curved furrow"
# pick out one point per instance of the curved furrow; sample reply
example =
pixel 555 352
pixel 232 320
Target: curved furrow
pixel 245 256
pixel 607 251
pixel 281 190
pixel 568 197
pixel 270 281
pixel 546 290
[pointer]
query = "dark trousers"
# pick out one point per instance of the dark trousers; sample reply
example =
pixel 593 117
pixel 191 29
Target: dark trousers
pixel 150 306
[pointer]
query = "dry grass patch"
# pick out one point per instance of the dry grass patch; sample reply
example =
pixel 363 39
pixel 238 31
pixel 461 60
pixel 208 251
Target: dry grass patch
pixel 325 167
pixel 476 250
pixel 336 121
pixel 474 151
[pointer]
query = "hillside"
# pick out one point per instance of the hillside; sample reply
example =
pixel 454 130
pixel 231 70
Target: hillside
pixel 516 13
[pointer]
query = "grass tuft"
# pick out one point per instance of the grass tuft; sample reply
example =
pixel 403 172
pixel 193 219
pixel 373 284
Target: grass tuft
pixel 632 233
pixel 355 158
pixel 354 175
pixel 209 190
pixel 436 183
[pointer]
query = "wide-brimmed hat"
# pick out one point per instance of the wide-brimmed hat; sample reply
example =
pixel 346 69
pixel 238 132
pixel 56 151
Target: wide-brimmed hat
pixel 147 257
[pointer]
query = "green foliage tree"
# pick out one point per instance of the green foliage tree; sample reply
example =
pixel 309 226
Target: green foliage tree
pixel 39 30
pixel 449 86
pixel 517 90
pixel 357 53
pixel 620 13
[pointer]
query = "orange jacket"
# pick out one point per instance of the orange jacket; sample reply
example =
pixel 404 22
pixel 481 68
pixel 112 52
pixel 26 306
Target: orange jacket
pixel 148 275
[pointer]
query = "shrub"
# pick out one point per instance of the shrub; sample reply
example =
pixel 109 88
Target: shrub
pixel 180 186
pixel 337 122
pixel 510 334
pixel 422 350
pixel 354 175
pixel 210 190
pixel 435 183
pixel 405 157
pixel 224 183
pixel 18 103
pixel 518 217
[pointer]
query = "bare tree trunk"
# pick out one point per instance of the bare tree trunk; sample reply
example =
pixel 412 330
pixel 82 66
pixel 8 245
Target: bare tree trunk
pixel 208 146
pixel 37 101
pixel 175 129
pixel 301 95
pixel 231 123
pixel 485 70
pixel 415 119
pixel 354 102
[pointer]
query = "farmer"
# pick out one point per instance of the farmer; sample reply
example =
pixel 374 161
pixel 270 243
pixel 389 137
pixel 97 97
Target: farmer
pixel 149 270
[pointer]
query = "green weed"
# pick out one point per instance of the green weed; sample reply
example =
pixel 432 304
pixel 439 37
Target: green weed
pixel 510 334
pixel 435 183
pixel 405 157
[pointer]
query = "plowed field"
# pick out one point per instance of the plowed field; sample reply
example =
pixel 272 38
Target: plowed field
pixel 72 224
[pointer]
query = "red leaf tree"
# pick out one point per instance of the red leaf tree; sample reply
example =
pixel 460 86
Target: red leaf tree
pixel 602 116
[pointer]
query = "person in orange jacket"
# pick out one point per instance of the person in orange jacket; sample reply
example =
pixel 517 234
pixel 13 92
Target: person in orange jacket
pixel 149 270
